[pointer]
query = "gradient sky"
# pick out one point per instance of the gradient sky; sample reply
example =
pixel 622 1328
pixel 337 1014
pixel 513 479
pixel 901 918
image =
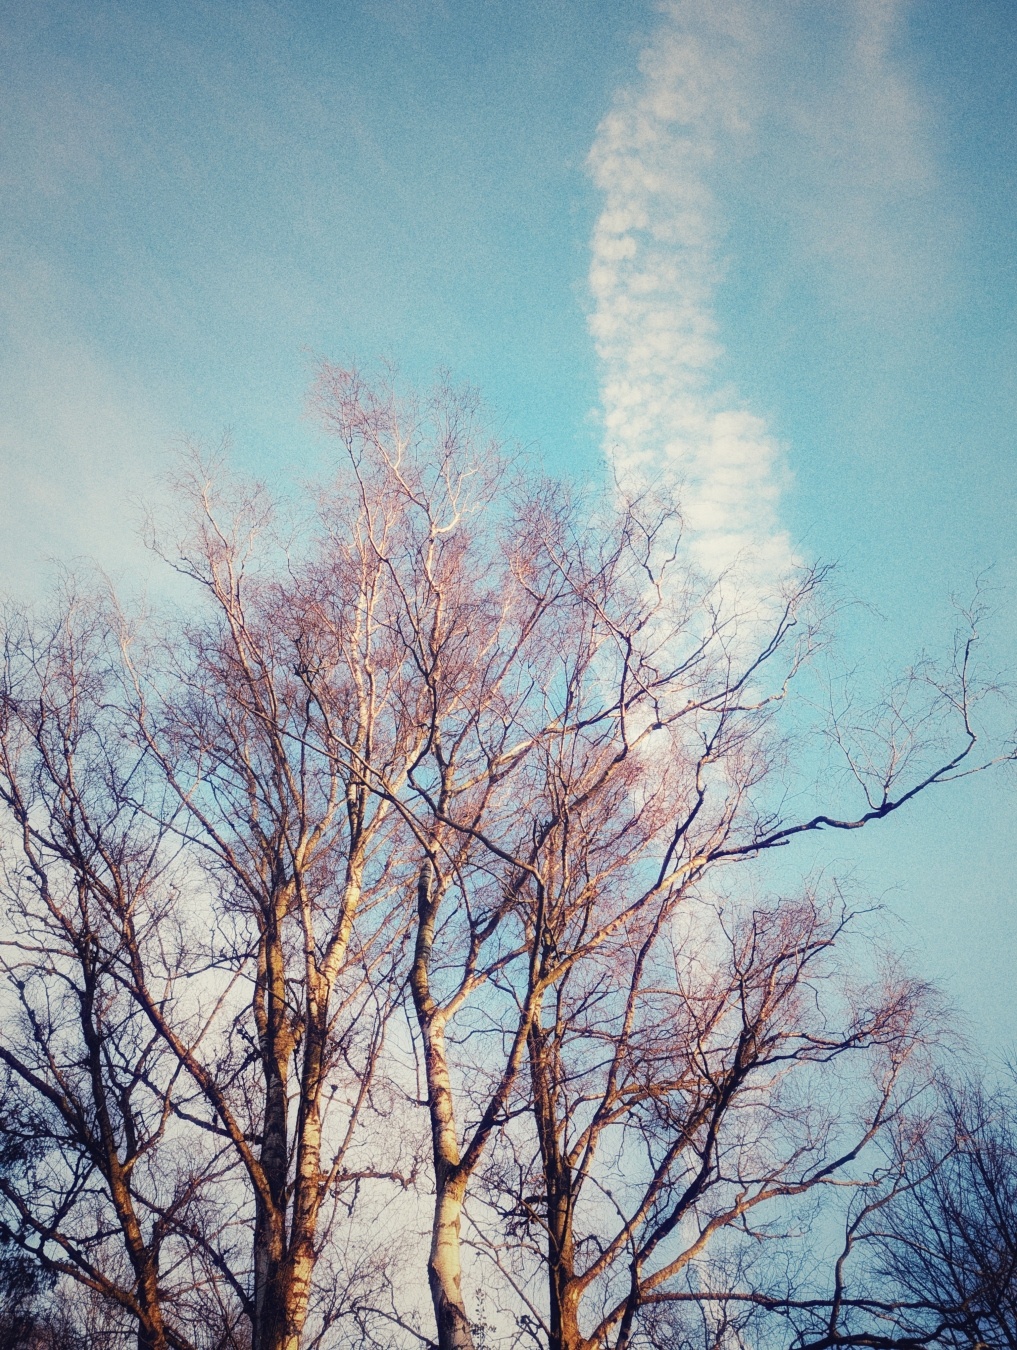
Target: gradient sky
pixel 767 248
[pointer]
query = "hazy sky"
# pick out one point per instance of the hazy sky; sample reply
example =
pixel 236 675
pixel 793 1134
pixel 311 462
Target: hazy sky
pixel 768 248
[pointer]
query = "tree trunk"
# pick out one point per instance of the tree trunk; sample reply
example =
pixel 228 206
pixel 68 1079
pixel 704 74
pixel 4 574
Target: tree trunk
pixel 563 1291
pixel 302 1256
pixel 444 1265
pixel 277 1039
pixel 151 1337
pixel 269 1285
pixel 151 1329
pixel 143 1255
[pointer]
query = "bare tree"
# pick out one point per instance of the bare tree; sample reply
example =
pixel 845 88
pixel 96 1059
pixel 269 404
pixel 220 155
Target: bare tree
pixel 466 624
pixel 934 1252
pixel 242 713
pixel 462 747
pixel 101 1179
pixel 599 736
pixel 676 1103
pixel 203 930
pixel 691 1099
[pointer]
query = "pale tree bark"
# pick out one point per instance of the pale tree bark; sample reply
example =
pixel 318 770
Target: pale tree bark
pixel 444 1263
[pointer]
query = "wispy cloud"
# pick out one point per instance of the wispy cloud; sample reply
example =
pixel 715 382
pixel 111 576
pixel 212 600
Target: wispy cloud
pixel 864 197
pixel 79 447
pixel 836 139
pixel 654 275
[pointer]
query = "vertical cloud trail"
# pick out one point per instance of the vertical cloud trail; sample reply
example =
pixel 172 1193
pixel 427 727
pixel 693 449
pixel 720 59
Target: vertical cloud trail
pixel 832 138
pixel 654 274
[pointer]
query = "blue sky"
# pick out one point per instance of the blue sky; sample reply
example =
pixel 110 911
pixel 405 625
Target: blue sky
pixel 767 248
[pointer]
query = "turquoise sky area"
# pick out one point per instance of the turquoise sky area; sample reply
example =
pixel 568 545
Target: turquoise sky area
pixel 767 248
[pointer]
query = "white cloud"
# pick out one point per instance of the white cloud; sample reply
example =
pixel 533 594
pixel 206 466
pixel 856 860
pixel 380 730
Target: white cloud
pixel 811 117
pixel 654 273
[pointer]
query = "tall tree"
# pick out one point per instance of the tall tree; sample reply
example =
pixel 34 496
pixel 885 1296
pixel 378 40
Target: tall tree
pixel 457 743
pixel 101 1177
pixel 601 732
pixel 242 712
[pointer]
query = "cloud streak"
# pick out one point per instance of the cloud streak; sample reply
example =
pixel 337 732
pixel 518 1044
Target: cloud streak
pixel 827 138
pixel 654 274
